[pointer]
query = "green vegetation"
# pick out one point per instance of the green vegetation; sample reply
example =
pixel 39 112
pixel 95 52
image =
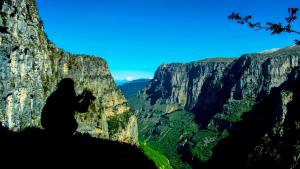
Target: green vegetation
pixel 46 83
pixel 234 110
pixel 160 160
pixel 117 122
pixel 166 132
pixel 204 142
pixel 73 63
pixel 3 18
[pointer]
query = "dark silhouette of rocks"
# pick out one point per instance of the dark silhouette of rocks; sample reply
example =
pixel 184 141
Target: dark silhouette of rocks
pixel 35 147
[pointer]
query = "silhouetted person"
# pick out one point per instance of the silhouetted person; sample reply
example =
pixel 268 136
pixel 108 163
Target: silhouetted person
pixel 59 111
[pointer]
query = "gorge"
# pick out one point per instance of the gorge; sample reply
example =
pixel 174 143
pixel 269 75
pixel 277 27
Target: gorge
pixel 229 112
pixel 188 109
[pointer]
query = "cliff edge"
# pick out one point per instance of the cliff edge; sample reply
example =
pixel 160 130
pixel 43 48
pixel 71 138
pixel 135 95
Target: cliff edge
pixel 31 67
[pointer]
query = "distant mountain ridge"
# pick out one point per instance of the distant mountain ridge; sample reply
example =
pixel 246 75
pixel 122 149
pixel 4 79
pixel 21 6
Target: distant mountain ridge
pixel 132 87
pixel 121 82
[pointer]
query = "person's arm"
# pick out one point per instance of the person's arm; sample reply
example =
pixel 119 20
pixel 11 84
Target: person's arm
pixel 84 100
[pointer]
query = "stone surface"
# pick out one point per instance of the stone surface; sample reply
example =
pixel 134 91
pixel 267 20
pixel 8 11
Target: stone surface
pixel 206 86
pixel 187 109
pixel 31 66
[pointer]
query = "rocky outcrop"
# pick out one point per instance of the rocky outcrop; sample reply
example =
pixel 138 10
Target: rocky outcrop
pixel 182 83
pixel 214 95
pixel 268 135
pixel 31 66
pixel 206 86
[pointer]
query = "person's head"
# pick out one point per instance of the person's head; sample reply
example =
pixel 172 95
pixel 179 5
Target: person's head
pixel 66 84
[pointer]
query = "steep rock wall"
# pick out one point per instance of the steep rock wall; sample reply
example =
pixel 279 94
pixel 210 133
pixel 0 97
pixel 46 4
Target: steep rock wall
pixel 187 109
pixel 206 86
pixel 31 66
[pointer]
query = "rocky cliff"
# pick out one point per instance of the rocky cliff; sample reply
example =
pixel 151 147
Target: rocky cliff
pixel 215 92
pixel 31 67
pixel 268 135
pixel 209 84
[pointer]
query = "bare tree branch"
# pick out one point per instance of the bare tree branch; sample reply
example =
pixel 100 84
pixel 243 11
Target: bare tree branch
pixel 275 28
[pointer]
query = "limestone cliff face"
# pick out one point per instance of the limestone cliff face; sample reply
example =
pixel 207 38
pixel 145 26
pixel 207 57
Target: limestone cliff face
pixel 187 109
pixel 182 83
pixel 31 66
pixel 204 87
pixel 268 135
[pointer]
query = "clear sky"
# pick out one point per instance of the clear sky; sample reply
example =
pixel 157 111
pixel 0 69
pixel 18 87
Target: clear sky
pixel 136 36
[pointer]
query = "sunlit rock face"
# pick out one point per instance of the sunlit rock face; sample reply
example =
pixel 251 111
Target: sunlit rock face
pixel 194 106
pixel 205 86
pixel 31 67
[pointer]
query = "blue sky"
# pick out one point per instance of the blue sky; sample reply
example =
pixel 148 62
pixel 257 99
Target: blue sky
pixel 136 36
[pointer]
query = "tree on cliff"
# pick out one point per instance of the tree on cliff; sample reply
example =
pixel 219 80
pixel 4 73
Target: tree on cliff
pixel 275 28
